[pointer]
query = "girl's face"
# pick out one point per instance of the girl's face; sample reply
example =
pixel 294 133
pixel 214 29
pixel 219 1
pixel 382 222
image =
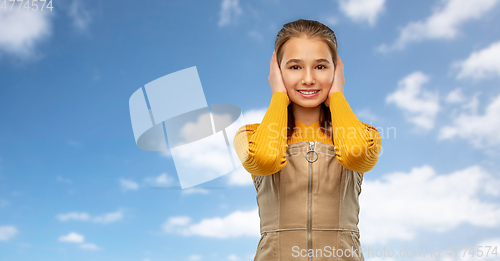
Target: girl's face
pixel 307 65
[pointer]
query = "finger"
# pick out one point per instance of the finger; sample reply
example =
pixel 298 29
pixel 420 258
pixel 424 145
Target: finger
pixel 274 65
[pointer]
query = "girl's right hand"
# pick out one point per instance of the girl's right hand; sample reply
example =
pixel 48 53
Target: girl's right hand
pixel 275 78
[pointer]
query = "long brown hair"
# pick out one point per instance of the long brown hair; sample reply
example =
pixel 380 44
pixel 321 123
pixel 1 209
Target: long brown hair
pixel 310 29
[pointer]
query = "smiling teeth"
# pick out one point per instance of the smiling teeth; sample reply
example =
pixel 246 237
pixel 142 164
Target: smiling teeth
pixel 308 92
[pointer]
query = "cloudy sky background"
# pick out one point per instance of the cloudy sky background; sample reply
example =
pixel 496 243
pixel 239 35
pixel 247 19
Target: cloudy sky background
pixel 75 186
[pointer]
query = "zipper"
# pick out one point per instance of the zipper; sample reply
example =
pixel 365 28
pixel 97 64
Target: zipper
pixel 310 159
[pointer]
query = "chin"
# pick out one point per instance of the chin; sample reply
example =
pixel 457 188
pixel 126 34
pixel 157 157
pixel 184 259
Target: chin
pixel 311 104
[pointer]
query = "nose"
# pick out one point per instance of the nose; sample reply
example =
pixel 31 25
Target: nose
pixel 308 78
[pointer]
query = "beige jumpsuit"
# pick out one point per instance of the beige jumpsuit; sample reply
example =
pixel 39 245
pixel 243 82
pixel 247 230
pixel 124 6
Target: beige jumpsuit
pixel 312 203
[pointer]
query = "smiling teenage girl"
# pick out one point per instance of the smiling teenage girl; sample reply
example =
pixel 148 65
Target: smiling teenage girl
pixel 309 154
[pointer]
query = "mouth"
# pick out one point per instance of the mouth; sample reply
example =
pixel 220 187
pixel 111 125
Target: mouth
pixel 308 94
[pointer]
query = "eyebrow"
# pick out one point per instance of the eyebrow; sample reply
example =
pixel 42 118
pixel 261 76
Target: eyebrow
pixel 298 61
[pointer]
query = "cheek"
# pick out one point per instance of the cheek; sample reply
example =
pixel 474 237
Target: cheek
pixel 326 78
pixel 289 81
pixel 327 82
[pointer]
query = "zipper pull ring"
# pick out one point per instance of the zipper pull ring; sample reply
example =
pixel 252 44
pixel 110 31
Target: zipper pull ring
pixel 311 149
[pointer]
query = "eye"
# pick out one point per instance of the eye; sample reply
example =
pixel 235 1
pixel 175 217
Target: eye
pixel 296 67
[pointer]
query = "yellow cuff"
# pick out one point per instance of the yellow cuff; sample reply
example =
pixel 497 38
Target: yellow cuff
pixel 282 97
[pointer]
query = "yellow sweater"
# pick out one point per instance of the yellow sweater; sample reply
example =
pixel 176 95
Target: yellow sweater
pixel 357 145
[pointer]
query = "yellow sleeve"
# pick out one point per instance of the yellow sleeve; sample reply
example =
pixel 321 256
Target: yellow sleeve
pixel 262 147
pixel 357 144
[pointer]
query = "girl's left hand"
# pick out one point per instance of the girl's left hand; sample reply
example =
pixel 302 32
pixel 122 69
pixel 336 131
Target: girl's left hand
pixel 338 80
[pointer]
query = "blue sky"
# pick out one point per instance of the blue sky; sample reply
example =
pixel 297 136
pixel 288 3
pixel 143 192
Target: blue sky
pixel 75 186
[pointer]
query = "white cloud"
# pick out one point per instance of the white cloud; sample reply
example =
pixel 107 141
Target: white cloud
pixel 256 35
pixel 230 11
pixel 233 258
pixel 194 257
pixel 481 130
pixel 74 216
pixel 89 246
pixel 164 180
pixel 72 237
pixel 83 216
pixel 109 217
pixel 21 31
pixel 481 64
pixel 65 180
pixel 330 20
pixel 7 232
pixel 77 238
pixel 128 185
pixel 400 205
pixel 192 128
pixel 463 253
pixel 209 158
pixel 194 190
pixel 239 177
pixel 161 180
pixel 250 257
pixel 443 23
pixel 418 105
pixel 473 103
pixel 488 246
pixel 367 116
pixel 176 222
pixel 79 14
pixel 236 224
pixel 254 116
pixel 362 10
pixel 455 96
